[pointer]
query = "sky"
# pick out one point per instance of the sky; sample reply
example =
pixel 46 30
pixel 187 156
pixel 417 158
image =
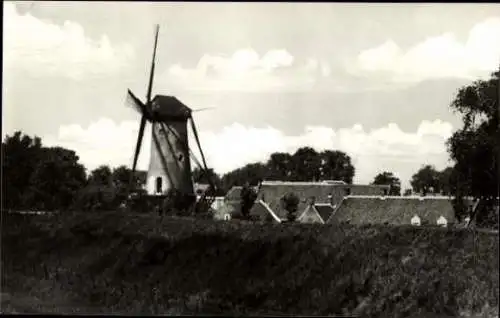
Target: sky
pixel 372 80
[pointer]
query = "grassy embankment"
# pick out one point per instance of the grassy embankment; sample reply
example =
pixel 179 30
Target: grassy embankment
pixel 140 264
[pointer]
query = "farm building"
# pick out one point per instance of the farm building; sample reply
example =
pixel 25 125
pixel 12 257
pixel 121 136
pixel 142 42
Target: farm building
pixel 337 202
pixel 326 195
pixel 395 210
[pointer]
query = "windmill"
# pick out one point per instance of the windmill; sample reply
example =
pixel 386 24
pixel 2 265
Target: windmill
pixel 170 159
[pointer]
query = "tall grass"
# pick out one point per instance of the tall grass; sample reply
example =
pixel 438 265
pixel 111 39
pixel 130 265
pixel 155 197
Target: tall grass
pixel 113 262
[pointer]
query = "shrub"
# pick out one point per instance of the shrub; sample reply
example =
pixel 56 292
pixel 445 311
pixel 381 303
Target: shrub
pixel 290 203
pixel 247 198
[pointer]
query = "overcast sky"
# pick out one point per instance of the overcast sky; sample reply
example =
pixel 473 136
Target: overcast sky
pixel 373 80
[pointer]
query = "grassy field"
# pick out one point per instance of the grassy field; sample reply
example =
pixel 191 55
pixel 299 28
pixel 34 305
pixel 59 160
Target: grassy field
pixel 111 262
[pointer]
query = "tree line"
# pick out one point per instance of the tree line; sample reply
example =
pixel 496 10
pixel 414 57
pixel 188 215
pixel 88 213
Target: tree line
pixel 51 178
pixel 36 177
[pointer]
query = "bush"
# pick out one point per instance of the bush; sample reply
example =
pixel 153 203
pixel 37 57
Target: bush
pixel 290 203
pixel 247 197
pixel 177 203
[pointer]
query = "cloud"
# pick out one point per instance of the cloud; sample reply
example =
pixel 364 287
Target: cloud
pixel 386 148
pixel 436 57
pixel 44 48
pixel 246 70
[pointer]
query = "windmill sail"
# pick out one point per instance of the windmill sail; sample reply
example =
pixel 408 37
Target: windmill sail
pixel 153 62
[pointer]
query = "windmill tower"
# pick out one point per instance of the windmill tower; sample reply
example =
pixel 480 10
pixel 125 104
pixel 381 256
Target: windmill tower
pixel 170 159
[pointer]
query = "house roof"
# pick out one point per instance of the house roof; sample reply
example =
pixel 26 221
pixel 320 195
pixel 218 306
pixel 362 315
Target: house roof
pixel 310 215
pixel 392 210
pixel 324 210
pixel 263 211
pixel 234 194
pixel 271 192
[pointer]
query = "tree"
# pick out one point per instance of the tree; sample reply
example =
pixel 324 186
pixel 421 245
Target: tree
pixel 56 179
pixel 252 173
pixel 426 180
pixel 280 166
pixel 336 165
pixel 100 192
pixel 102 175
pixel 407 192
pixel 306 165
pixel 247 198
pixel 388 178
pixel 290 203
pixel 446 180
pixel 120 178
pixel 20 154
pixel 475 148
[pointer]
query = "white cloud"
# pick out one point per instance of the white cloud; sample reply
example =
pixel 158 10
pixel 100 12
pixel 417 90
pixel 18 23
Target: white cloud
pixel 437 57
pixel 245 70
pixel 43 47
pixel 386 148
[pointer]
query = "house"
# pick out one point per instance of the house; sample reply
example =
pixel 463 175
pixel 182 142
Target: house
pixel 326 195
pixel 395 210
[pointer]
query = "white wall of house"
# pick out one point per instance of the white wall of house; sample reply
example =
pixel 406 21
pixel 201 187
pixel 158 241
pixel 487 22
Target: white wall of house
pixel 218 203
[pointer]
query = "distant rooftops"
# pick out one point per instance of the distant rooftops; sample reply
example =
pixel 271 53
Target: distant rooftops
pixel 334 182
pixel 409 197
pixel 324 182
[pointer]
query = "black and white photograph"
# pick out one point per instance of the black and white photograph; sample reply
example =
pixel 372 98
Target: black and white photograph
pixel 326 159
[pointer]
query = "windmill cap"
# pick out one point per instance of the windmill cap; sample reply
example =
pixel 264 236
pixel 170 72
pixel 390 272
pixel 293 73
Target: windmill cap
pixel 170 107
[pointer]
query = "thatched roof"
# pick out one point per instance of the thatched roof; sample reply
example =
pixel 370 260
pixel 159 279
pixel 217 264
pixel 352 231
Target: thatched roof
pixel 310 215
pixel 325 210
pixel 263 212
pixel 271 192
pixel 393 210
pixel 234 194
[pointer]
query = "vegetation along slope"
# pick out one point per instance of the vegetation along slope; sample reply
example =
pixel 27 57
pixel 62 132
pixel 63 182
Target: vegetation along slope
pixel 110 262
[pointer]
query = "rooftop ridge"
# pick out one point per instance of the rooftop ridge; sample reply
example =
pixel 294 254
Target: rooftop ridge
pixel 320 183
pixel 414 197
pixel 269 210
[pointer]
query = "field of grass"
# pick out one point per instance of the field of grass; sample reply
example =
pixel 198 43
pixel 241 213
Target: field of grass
pixel 112 262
